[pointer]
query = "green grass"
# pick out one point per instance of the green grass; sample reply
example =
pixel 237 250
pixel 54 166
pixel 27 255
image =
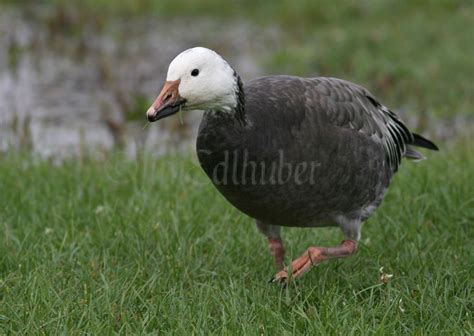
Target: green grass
pixel 117 246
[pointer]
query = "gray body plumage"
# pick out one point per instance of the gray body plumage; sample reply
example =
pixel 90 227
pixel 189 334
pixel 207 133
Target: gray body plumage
pixel 350 143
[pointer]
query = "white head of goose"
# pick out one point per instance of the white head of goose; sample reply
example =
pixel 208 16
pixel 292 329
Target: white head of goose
pixel 197 79
pixel 290 151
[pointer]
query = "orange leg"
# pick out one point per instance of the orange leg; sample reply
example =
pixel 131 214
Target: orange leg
pixel 278 252
pixel 272 232
pixel 315 255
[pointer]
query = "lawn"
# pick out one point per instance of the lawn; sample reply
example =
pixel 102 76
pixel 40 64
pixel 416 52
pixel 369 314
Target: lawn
pixel 113 245
pixel 147 246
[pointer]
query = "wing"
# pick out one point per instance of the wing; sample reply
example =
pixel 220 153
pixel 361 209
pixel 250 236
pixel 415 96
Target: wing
pixel 351 106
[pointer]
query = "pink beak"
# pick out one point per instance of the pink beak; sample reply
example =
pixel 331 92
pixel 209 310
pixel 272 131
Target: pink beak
pixel 168 102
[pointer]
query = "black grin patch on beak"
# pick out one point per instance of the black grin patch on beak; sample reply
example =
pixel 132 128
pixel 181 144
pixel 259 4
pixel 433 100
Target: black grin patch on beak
pixel 166 110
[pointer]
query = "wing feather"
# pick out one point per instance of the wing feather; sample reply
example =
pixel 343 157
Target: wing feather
pixel 352 106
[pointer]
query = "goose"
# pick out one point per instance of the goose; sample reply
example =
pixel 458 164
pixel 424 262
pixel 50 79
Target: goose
pixel 290 151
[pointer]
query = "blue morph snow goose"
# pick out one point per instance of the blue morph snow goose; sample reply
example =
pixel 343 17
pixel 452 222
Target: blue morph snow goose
pixel 290 151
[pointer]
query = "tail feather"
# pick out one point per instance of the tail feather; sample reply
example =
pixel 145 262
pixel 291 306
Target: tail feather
pixel 419 141
pixel 414 155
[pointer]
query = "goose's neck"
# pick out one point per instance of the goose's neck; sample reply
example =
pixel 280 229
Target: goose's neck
pixel 239 109
pixel 234 113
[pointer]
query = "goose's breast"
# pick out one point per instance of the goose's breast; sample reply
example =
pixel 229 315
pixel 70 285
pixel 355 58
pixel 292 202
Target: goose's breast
pixel 287 181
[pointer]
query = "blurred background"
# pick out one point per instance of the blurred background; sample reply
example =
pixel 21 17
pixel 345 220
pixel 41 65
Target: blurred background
pixel 76 77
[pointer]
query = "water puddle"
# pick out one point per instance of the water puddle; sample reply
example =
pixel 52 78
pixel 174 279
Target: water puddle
pixel 63 92
pixel 69 88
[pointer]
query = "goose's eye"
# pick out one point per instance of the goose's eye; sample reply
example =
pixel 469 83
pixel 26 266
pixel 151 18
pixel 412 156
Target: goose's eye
pixel 195 72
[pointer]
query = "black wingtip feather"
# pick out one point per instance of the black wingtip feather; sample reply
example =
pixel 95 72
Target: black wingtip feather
pixel 419 141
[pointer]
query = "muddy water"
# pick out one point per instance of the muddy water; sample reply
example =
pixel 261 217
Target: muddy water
pixel 64 92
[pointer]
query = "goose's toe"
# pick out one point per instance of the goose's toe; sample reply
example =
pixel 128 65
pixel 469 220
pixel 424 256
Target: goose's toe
pixel 281 277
